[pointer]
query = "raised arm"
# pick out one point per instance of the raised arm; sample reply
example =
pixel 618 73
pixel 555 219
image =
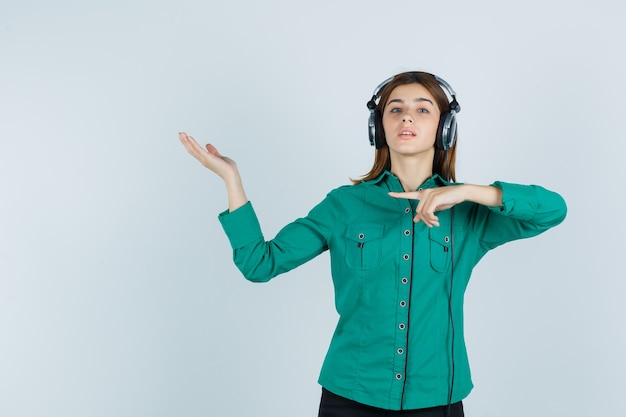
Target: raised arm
pixel 223 166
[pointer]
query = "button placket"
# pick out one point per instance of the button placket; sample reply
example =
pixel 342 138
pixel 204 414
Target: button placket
pixel 403 290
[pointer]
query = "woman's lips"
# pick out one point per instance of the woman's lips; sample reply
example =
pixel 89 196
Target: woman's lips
pixel 406 133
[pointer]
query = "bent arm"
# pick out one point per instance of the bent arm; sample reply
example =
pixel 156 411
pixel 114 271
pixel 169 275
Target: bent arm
pixel 525 211
pixel 432 200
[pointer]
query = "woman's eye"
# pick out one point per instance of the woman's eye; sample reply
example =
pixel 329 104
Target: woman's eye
pixel 422 110
pixel 395 110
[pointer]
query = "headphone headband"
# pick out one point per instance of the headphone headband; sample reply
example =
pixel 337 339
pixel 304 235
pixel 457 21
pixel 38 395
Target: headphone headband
pixel 381 86
pixel 446 132
pixel 454 105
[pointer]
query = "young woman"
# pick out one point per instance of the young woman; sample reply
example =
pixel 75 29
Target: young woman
pixel 403 241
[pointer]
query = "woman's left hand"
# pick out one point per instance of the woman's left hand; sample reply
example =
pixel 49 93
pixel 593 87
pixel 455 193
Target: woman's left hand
pixel 432 200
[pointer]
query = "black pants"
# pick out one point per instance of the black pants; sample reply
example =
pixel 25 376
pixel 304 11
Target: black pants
pixel 332 405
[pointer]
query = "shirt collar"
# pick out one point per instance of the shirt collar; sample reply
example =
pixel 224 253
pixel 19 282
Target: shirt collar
pixel 432 182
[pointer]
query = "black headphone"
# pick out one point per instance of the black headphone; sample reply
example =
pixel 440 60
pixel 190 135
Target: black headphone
pixel 446 132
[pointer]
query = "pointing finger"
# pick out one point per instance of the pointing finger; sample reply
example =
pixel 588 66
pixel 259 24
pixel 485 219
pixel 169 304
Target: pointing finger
pixel 409 195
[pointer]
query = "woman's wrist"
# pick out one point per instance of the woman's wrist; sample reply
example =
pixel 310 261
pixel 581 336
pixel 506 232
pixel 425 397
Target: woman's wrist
pixel 236 193
pixel 486 195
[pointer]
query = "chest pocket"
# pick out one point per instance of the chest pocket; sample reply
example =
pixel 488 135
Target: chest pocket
pixel 364 243
pixel 440 248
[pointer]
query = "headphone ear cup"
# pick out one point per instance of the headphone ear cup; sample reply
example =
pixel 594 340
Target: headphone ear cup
pixel 379 134
pixel 371 129
pixel 451 131
pixel 446 131
pixel 439 142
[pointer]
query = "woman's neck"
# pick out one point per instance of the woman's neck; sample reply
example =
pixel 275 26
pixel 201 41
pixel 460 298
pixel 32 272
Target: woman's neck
pixel 412 172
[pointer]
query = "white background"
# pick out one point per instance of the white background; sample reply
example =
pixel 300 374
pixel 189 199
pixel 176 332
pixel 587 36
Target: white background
pixel 118 296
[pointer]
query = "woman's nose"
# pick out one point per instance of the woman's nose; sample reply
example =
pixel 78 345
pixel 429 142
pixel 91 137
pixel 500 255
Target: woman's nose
pixel 407 118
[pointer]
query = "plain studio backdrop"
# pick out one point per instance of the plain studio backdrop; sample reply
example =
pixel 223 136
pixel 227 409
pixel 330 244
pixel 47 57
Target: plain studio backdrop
pixel 118 296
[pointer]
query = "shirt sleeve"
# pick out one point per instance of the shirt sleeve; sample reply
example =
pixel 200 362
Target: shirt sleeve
pixel 260 260
pixel 526 211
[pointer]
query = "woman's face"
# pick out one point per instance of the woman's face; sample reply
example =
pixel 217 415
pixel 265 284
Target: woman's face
pixel 410 120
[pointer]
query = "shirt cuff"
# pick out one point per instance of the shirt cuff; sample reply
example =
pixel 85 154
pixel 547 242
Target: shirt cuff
pixel 519 201
pixel 241 226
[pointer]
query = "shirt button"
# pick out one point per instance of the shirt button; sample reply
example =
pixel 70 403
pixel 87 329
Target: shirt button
pixel 446 239
pixel 405 256
pixel 407 210
pixel 361 235
pixel 407 232
pixel 402 303
pixel 404 280
pixel 400 351
pixel 401 326
pixel 420 189
pixel 398 376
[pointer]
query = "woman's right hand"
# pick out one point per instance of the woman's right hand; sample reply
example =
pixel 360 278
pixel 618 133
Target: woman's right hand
pixel 210 158
pixel 223 166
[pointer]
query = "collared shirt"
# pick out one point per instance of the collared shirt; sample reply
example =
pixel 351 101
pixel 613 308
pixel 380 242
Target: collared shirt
pixel 392 347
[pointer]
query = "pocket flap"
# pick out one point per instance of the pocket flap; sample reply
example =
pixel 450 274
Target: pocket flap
pixel 440 235
pixel 365 232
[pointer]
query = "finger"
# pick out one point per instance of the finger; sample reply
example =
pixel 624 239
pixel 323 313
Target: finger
pixel 213 150
pixel 192 146
pixel 434 222
pixel 184 139
pixel 426 210
pixel 419 210
pixel 429 217
pixel 199 153
pixel 430 222
pixel 409 195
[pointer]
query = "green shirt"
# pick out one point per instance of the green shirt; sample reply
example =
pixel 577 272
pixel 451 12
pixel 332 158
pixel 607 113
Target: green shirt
pixel 392 345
